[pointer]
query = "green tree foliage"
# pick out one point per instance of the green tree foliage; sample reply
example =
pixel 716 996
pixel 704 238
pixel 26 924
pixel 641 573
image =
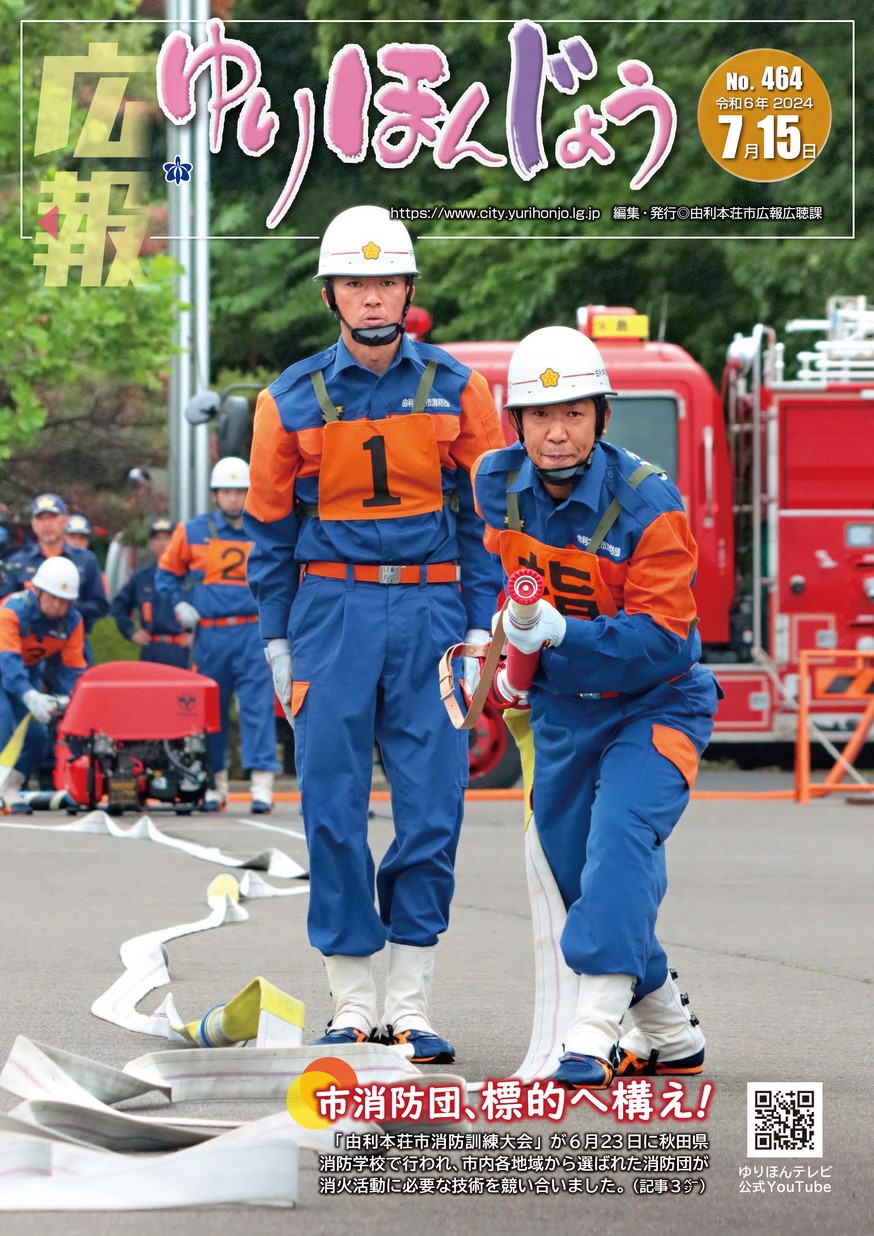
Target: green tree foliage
pixel 699 290
pixel 62 346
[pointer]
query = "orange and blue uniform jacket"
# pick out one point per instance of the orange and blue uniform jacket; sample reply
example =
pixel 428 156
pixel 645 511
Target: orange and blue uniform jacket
pixel 92 603
pixel 28 638
pixel 647 562
pixel 287 461
pixel 205 565
pixel 156 617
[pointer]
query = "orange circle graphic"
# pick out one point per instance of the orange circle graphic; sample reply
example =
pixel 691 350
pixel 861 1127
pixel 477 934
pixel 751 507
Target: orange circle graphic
pixel 764 115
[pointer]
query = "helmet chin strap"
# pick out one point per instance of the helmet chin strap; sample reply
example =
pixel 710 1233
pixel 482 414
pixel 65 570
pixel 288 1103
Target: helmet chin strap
pixel 559 476
pixel 372 336
pixel 565 476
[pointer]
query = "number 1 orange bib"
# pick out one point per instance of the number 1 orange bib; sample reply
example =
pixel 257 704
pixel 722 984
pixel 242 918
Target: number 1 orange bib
pixel 380 469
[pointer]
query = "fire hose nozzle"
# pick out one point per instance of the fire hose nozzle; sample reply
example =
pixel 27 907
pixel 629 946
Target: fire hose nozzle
pixel 525 587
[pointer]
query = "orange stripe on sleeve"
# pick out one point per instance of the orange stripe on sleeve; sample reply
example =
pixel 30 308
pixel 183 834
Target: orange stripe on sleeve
pixel 176 558
pixel 491 536
pixel 10 631
pixel 273 466
pixel 480 425
pixel 660 574
pixel 73 651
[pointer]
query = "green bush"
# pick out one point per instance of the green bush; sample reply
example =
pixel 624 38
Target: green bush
pixel 108 643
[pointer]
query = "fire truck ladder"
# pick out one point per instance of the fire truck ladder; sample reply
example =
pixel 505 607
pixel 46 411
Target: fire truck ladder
pixel 754 361
pixel 750 358
pixel 847 352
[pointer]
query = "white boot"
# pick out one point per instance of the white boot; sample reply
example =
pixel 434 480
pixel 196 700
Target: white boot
pixel 662 1023
pixel 354 993
pixel 217 799
pixel 261 785
pixel 601 1005
pixel 12 783
pixel 408 984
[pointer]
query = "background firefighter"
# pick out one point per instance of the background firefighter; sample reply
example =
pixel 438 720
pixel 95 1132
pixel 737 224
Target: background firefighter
pixel 203 575
pixel 41 656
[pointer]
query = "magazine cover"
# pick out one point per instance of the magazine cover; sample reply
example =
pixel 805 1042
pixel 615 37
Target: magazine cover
pixel 436 475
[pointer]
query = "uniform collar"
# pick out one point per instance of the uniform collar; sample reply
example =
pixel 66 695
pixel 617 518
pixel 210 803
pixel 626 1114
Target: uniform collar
pixel 343 358
pixel 586 491
pixel 220 521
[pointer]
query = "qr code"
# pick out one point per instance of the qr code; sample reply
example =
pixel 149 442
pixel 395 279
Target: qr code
pixel 784 1120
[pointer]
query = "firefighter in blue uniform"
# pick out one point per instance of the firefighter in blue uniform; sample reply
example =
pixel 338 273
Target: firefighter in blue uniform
pixel 48 521
pixel 159 636
pixel 620 710
pixel 41 638
pixel 202 574
pixel 78 531
pixel 361 462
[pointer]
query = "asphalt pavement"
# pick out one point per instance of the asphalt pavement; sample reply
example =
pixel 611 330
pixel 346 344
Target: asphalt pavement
pixel 767 919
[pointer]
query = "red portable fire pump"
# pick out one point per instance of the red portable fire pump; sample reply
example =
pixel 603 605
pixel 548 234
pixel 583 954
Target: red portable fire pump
pixel 136 731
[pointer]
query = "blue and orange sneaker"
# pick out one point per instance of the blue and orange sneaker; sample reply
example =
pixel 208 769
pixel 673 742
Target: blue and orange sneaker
pixel 428 1047
pixel 631 1065
pixel 576 1071
pixel 343 1035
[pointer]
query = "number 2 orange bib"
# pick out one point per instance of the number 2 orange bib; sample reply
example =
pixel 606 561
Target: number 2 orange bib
pixel 226 562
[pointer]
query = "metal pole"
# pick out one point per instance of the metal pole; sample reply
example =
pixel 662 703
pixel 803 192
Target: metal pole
pixel 176 360
pixel 200 178
pixel 184 288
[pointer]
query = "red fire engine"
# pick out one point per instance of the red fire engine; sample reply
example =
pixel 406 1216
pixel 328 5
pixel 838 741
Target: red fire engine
pixel 778 479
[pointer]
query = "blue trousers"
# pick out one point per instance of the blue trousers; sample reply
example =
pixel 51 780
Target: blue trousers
pixel 35 750
pixel 365 668
pixel 167 654
pixel 606 800
pixel 234 658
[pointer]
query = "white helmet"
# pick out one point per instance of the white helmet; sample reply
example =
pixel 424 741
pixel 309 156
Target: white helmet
pixel 59 577
pixel 555 365
pixel 230 473
pixel 365 240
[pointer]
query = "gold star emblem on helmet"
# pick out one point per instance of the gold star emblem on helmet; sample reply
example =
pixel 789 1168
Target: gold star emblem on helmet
pixel 549 377
pixel 371 251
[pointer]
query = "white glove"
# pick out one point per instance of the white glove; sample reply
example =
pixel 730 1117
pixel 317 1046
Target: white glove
pixel 186 615
pixel 548 629
pixel 41 707
pixel 278 654
pixel 473 665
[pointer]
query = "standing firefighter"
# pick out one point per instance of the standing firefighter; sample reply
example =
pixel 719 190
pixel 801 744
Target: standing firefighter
pixel 361 477
pixel 620 711
pixel 203 575
pixel 41 650
pixel 159 636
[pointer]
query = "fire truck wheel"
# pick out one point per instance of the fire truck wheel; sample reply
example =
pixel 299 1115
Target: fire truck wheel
pixel 494 756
